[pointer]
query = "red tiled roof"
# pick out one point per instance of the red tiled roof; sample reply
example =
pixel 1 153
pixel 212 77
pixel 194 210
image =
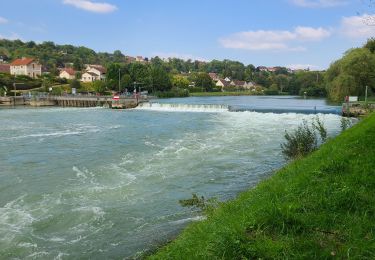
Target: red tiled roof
pixel 23 61
pixel 4 68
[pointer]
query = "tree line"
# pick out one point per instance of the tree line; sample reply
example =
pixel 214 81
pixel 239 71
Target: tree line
pixel 348 76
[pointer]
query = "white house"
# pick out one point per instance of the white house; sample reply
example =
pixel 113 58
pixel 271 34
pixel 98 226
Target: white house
pixel 67 73
pixel 26 66
pixel 89 77
pixel 93 73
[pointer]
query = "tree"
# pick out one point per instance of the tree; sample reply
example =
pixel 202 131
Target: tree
pixel 99 86
pixel 160 79
pixel 180 82
pixel 126 81
pixel 351 74
pixel 204 81
pixel 75 84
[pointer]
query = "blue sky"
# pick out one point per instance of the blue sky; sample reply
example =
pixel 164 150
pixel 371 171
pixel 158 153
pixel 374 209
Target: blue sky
pixel 293 33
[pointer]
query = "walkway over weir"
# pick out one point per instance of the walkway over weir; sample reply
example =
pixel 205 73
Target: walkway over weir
pixel 73 101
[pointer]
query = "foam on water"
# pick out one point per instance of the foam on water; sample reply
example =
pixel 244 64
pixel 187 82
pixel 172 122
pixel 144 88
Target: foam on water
pixel 182 107
pixel 114 190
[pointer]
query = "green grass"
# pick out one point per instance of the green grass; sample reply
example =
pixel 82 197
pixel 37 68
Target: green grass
pixel 220 94
pixel 320 207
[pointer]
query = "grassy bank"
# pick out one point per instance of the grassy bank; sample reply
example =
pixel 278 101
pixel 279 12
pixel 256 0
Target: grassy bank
pixel 220 94
pixel 319 207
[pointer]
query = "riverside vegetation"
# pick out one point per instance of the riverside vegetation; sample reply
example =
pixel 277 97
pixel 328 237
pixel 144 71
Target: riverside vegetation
pixel 318 207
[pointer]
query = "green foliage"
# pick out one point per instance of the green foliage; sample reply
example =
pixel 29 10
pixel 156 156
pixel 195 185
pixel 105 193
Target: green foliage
pixel 75 84
pixel 351 74
pixel 99 86
pixel 318 125
pixel 160 80
pixel 174 92
pixel 299 143
pixel 319 207
pixel 180 82
pixel 346 123
pixel 304 139
pixel 370 44
pixel 199 203
pixel 204 81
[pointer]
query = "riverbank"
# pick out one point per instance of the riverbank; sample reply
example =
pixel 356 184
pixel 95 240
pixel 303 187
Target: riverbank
pixel 322 206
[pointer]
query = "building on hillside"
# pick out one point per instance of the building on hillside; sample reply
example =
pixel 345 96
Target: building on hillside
pixel 89 77
pixel 214 76
pixel 129 59
pixel 5 68
pixel 238 83
pixel 93 73
pixel 221 83
pixel 249 85
pixel 141 59
pixel 67 73
pixel 26 66
pixel 228 79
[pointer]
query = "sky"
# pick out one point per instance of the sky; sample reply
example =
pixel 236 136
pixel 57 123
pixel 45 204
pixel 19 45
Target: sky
pixel 291 33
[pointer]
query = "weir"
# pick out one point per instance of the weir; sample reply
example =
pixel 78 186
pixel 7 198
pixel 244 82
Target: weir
pixel 225 108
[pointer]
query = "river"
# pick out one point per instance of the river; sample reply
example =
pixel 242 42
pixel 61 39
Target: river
pixel 98 183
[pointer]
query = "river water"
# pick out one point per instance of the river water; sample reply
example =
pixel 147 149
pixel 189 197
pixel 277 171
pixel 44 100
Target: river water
pixel 98 183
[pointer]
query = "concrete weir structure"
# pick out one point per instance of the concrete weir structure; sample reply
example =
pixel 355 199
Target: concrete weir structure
pixel 73 101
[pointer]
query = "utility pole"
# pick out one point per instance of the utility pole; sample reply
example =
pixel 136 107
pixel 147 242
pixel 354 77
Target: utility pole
pixel 14 85
pixel 119 80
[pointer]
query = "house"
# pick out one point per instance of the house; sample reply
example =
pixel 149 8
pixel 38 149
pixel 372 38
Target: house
pixel 67 73
pixel 89 77
pixel 228 79
pixel 93 73
pixel 141 59
pixel 221 83
pixel 5 68
pixel 238 83
pixel 249 85
pixel 129 59
pixel 26 66
pixel 214 76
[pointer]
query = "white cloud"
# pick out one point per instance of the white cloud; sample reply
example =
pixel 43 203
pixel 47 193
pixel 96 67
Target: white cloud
pixel 361 27
pixel 164 55
pixel 303 67
pixel 274 40
pixel 311 34
pixel 3 20
pixel 91 6
pixel 12 36
pixel 319 3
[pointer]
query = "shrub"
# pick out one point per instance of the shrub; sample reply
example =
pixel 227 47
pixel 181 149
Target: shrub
pixel 345 123
pixel 174 92
pixel 319 126
pixel 300 142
